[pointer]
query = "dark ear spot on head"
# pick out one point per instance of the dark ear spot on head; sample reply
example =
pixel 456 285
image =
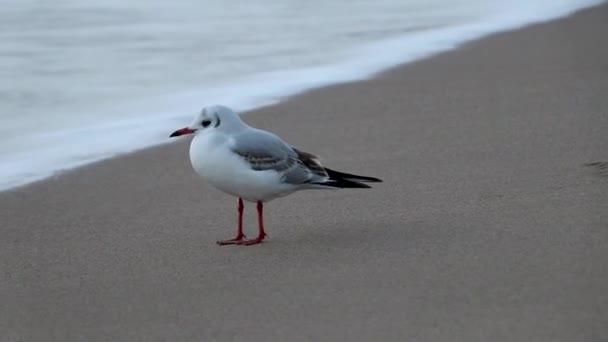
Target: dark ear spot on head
pixel 217 123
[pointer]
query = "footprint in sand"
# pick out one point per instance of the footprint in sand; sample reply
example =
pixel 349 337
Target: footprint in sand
pixel 599 168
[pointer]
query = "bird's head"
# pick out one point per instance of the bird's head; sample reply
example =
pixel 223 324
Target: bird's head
pixel 218 117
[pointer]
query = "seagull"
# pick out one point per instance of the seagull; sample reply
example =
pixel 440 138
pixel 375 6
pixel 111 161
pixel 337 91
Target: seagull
pixel 255 165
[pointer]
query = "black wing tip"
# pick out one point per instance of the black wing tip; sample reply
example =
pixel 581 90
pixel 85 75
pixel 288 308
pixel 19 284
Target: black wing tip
pixel 373 180
pixel 344 184
pixel 333 174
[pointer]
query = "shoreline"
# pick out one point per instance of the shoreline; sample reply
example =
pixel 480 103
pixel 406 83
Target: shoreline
pixel 488 226
pixel 468 33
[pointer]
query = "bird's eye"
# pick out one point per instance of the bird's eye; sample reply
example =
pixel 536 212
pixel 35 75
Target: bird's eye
pixel 206 123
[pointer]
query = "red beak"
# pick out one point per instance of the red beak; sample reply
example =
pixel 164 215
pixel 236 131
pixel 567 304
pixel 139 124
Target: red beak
pixel 182 131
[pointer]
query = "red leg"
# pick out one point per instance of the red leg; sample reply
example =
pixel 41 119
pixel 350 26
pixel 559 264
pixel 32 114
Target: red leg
pixel 261 233
pixel 239 237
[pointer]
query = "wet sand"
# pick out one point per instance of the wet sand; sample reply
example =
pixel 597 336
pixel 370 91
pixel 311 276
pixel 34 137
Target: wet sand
pixel 488 227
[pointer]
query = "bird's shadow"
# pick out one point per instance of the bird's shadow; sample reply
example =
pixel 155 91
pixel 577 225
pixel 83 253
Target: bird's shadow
pixel 348 235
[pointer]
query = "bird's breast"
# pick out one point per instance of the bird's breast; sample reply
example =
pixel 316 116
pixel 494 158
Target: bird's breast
pixel 211 157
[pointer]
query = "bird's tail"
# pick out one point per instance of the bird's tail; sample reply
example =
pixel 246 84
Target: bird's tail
pixel 346 180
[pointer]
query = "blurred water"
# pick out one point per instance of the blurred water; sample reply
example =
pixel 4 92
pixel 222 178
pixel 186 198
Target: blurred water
pixel 84 80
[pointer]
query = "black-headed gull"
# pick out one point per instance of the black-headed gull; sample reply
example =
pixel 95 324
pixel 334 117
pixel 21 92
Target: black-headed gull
pixel 255 165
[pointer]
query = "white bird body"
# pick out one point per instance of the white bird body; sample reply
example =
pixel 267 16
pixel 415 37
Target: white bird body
pixel 213 159
pixel 255 165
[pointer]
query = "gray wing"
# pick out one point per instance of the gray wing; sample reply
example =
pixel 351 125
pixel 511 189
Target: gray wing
pixel 265 151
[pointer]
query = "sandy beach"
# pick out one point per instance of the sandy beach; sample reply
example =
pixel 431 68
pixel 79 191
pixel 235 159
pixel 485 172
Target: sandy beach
pixel 488 226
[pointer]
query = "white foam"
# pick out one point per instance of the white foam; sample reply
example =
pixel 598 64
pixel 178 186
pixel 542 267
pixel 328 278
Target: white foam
pixel 50 152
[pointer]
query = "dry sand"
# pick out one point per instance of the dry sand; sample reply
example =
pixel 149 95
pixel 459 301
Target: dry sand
pixel 488 226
